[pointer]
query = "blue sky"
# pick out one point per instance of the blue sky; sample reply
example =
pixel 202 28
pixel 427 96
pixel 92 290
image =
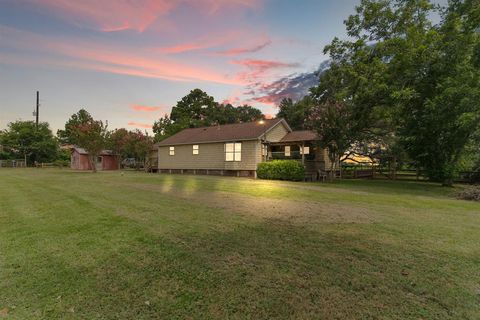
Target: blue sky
pixel 128 62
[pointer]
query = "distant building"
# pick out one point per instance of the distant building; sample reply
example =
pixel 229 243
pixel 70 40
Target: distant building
pixel 79 160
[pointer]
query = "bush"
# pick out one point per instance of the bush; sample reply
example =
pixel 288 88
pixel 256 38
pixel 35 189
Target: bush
pixel 61 163
pixel 281 170
pixel 470 193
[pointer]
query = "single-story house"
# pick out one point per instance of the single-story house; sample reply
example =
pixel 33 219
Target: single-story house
pixel 237 149
pixel 106 160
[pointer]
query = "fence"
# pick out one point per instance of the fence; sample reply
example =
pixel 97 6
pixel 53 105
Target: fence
pixel 12 163
pixel 359 172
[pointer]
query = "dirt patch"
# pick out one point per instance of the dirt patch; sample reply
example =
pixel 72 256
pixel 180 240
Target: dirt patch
pixel 294 211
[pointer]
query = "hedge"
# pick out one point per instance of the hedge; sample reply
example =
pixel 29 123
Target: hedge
pixel 281 170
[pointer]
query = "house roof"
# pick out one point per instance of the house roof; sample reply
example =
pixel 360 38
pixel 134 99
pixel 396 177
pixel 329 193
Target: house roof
pixel 83 151
pixel 304 135
pixel 221 133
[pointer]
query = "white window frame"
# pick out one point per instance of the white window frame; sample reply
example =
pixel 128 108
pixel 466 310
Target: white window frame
pixel 288 151
pixel 233 151
pixel 305 150
pixel 195 149
pixel 171 151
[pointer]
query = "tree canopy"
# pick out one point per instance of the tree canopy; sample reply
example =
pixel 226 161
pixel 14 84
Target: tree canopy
pixel 405 82
pixel 24 139
pixel 68 135
pixel 198 109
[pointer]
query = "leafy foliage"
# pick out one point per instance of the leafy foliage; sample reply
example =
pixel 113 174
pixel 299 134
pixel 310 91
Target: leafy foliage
pixel 281 170
pixel 68 135
pixel 198 109
pixel 90 135
pixel 24 139
pixel 296 113
pixel 130 144
pixel 405 83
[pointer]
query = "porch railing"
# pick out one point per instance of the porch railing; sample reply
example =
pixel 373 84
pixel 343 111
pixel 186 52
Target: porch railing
pixel 294 155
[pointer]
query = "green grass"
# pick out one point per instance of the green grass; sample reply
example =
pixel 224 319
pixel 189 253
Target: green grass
pixel 76 245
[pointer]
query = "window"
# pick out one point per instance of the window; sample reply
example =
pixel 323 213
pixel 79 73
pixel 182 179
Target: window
pixel 287 151
pixel 305 150
pixel 233 151
pixel 195 149
pixel 171 151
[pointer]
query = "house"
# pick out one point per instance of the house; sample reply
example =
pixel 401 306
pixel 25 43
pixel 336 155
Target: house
pixel 106 160
pixel 237 149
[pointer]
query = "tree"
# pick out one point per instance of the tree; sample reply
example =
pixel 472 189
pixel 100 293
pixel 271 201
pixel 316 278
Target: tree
pixel 90 135
pixel 117 141
pixel 401 76
pixel 198 109
pixel 67 136
pixel 23 139
pixel 194 110
pixel 140 145
pixel 296 113
pixel 333 122
pixel 439 124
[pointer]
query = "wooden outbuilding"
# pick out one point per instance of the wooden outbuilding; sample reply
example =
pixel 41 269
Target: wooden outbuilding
pixel 80 160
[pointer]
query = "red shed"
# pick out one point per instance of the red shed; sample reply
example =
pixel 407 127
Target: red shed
pixel 105 161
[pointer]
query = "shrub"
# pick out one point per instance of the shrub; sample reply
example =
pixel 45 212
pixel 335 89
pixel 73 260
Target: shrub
pixel 470 193
pixel 281 170
pixel 61 163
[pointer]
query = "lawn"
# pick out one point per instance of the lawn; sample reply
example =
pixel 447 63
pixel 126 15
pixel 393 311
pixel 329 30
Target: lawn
pixel 77 245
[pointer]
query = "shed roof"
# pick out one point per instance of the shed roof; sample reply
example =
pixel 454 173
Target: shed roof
pixel 83 151
pixel 303 135
pixel 221 133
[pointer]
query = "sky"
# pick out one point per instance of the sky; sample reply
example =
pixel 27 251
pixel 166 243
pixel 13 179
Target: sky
pixel 128 62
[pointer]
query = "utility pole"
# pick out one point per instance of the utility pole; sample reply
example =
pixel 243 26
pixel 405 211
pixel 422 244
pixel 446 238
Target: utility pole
pixel 38 106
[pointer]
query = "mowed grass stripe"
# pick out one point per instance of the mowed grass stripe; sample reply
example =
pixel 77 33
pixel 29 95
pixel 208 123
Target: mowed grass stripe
pixel 145 246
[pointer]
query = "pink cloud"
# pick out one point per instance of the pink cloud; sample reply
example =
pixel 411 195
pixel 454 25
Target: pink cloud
pixel 114 59
pixel 259 69
pixel 109 15
pixel 137 107
pixel 237 51
pixel 185 47
pixel 264 64
pixel 139 125
pixel 117 15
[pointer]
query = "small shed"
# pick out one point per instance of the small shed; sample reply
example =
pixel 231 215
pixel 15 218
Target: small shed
pixel 106 160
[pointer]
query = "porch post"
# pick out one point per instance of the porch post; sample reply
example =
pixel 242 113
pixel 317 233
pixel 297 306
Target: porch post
pixel 303 152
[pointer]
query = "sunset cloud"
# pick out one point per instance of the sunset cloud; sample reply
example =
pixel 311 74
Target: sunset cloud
pixel 237 51
pixel 113 59
pixel 117 15
pixel 140 125
pixel 140 108
pixel 259 69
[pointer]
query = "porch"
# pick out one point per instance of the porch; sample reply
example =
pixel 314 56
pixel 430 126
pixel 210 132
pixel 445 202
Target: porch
pixel 303 147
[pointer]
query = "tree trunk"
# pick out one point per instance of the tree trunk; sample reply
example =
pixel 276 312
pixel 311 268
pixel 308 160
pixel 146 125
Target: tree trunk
pixel 92 163
pixel 332 167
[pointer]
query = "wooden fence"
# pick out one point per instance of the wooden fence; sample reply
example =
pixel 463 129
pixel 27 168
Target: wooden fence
pixel 363 172
pixel 12 163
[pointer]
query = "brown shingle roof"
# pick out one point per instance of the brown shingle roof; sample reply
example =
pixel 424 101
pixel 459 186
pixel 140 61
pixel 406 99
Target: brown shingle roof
pixel 227 132
pixel 304 135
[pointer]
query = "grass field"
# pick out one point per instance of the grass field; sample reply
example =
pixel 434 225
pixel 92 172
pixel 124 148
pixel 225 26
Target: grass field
pixel 77 245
